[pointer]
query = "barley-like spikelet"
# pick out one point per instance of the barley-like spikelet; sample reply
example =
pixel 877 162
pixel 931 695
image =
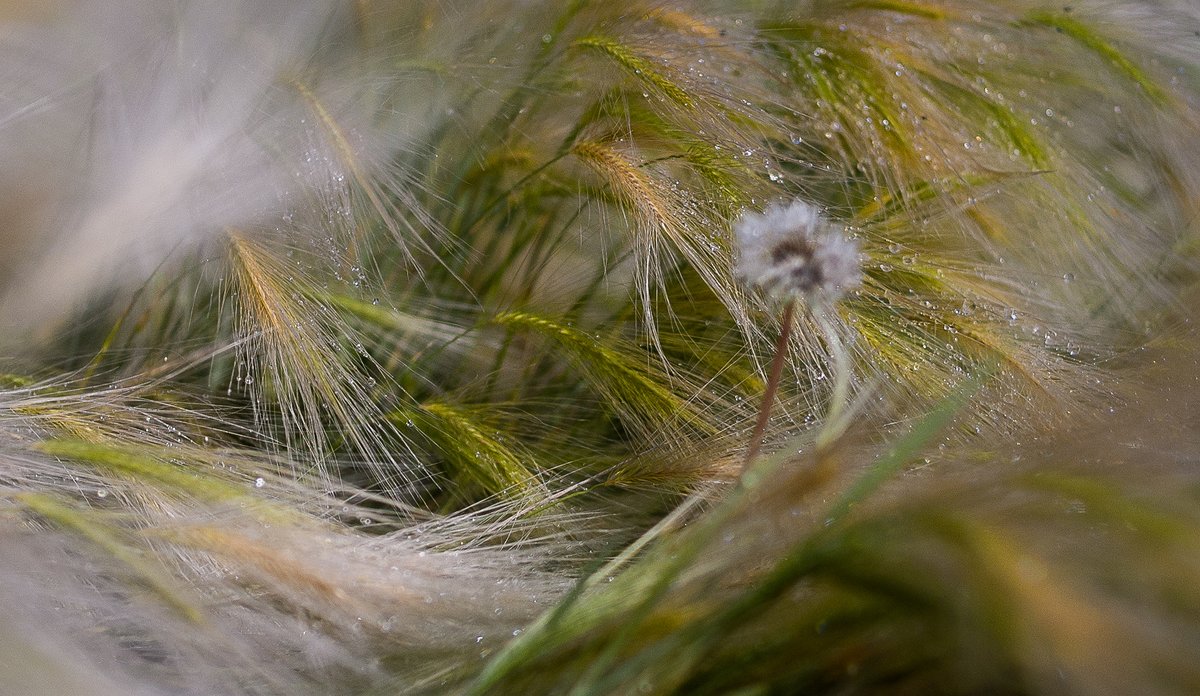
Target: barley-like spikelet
pixel 295 357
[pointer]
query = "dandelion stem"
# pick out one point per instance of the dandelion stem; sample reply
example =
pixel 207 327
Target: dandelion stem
pixel 764 411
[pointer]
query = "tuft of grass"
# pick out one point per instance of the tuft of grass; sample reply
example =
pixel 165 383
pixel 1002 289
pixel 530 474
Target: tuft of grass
pixel 630 389
pixel 146 466
pixel 638 66
pixel 297 364
pixel 1091 39
pixel 406 337
pixel 474 450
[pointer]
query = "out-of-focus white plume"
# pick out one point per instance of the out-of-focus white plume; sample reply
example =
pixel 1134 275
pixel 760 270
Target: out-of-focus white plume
pixel 134 134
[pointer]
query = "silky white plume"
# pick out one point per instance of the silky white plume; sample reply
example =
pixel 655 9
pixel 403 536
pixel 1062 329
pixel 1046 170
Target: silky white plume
pixel 792 251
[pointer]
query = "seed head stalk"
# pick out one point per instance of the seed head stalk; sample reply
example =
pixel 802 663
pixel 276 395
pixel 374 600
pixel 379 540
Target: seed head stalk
pixel 768 402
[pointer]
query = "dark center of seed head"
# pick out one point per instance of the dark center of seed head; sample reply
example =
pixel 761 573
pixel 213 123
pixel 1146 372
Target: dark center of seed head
pixel 791 249
pixel 807 277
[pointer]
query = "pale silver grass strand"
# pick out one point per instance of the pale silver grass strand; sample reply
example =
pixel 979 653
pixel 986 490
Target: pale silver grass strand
pixel 155 621
pixel 413 586
pixel 121 450
pixel 438 587
pixel 282 606
pixel 147 649
pixel 146 453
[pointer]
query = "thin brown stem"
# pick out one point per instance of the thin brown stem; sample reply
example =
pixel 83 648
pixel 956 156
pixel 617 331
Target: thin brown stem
pixel 764 411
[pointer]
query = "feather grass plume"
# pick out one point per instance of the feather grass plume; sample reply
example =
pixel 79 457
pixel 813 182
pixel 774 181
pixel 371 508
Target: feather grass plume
pixel 377 347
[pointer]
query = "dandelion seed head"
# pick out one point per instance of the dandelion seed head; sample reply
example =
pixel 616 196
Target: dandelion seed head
pixel 791 251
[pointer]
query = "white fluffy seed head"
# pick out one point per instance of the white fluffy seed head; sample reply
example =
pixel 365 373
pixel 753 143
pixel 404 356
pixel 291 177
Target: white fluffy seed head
pixel 791 251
